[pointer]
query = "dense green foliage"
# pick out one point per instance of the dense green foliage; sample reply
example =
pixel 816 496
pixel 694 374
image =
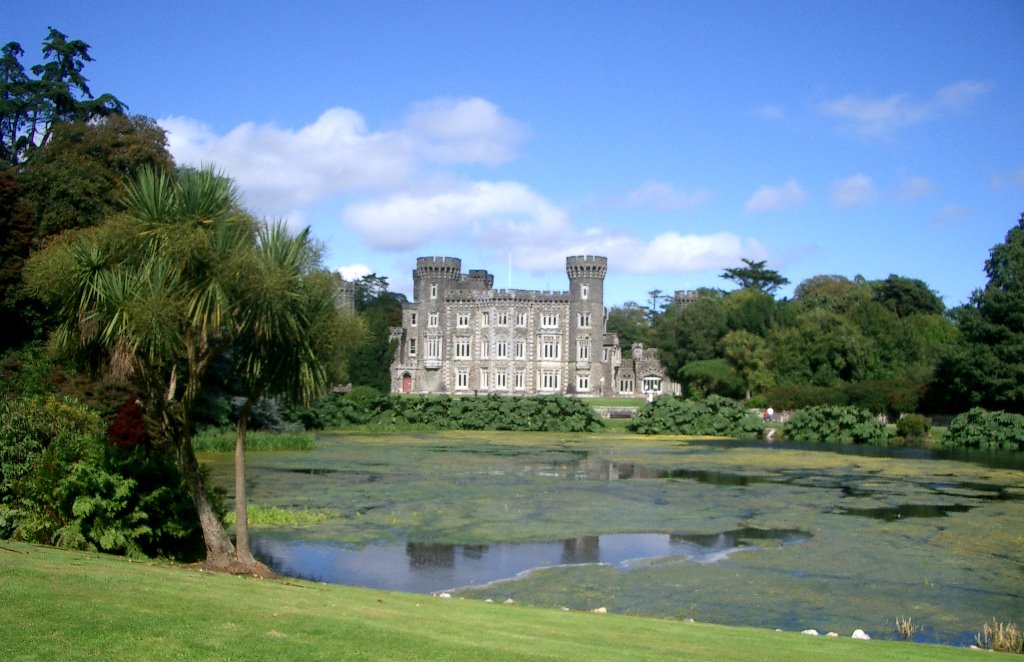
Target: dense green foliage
pixel 713 415
pixel 913 428
pixel 836 425
pixel 979 428
pixel 62 484
pixel 59 93
pixel 364 407
pixel 986 368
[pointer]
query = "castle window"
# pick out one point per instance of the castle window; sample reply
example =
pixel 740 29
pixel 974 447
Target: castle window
pixel 520 379
pixel 433 290
pixel 582 382
pixel 520 349
pixel 462 348
pixel 485 349
pixel 484 378
pixel 549 320
pixel 520 319
pixel 502 319
pixel 582 350
pixel 550 347
pixel 585 320
pixel 412 347
pixel 549 380
pixel 501 349
pixel 584 293
pixel 625 385
pixel 501 379
pixel 462 320
pixel 412 319
pixel 462 379
pixel 485 318
pixel 433 319
pixel 433 348
pixel 652 384
pixel 604 355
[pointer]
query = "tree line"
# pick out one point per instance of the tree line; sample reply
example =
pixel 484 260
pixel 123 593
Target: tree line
pixel 889 345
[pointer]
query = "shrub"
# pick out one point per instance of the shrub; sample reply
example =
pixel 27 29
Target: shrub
pixel 714 415
pixel 979 428
pixel 836 425
pixel 62 484
pixel 913 428
pixel 791 397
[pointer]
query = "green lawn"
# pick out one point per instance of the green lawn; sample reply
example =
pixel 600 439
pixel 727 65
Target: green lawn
pixel 57 604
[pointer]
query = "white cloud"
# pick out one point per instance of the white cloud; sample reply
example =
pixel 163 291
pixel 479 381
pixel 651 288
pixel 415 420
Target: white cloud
pixel 660 196
pixel 916 187
pixel 882 117
pixel 775 198
pixel 279 169
pixel 351 272
pixel 463 131
pixel 853 191
pixel 491 212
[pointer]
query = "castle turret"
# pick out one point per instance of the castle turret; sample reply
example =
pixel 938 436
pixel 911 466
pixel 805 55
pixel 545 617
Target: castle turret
pixel 586 323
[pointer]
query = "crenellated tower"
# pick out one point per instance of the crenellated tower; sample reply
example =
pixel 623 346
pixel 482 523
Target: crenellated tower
pixel 586 323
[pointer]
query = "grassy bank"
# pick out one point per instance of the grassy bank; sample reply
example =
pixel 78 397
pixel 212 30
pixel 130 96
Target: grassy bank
pixel 56 604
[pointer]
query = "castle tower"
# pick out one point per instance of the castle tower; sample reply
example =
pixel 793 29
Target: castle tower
pixel 586 324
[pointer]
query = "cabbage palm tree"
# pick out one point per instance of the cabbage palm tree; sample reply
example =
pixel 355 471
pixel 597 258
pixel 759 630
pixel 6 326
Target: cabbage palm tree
pixel 155 292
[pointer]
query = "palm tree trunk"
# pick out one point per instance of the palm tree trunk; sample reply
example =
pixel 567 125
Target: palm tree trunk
pixel 241 499
pixel 220 553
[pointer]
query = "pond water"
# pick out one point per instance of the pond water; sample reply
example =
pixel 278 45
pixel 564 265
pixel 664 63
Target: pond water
pixel 743 533
pixel 433 567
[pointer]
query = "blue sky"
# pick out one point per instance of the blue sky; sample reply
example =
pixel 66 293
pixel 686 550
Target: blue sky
pixel 675 138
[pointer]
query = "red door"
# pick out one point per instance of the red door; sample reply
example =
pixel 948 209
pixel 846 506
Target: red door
pixel 406 383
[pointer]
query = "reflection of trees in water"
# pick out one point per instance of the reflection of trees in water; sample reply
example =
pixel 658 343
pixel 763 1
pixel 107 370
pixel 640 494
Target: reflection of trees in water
pixel 586 549
pixel 437 555
pixel 430 555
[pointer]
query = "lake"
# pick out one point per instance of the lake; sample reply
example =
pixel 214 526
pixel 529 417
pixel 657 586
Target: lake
pixel 789 536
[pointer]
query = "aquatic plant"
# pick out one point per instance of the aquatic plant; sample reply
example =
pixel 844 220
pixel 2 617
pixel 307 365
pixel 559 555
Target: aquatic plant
pixel 1000 637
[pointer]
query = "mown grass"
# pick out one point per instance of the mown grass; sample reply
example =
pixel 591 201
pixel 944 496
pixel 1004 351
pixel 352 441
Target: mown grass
pixel 56 604
pixel 216 441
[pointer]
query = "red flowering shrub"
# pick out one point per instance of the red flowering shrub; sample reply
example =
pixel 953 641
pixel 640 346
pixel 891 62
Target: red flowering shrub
pixel 128 427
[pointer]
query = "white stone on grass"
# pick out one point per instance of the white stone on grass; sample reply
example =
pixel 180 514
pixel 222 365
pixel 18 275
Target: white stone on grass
pixel 859 634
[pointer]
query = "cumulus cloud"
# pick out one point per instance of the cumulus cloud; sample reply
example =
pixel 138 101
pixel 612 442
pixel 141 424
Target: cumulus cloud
pixel 463 131
pixel 853 191
pixel 775 198
pixel 351 272
pixel 881 117
pixel 279 169
pixel 492 212
pixel 916 187
pixel 660 196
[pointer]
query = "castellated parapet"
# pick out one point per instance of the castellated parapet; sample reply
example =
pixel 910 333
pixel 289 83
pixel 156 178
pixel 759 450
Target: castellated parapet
pixel 459 335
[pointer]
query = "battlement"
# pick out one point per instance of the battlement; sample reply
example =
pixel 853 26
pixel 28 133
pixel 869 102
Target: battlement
pixel 439 267
pixel 498 296
pixel 586 266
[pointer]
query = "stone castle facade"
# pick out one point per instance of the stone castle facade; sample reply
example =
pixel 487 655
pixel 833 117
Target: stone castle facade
pixel 459 335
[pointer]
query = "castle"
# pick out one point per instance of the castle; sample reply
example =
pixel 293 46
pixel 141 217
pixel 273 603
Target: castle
pixel 459 335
